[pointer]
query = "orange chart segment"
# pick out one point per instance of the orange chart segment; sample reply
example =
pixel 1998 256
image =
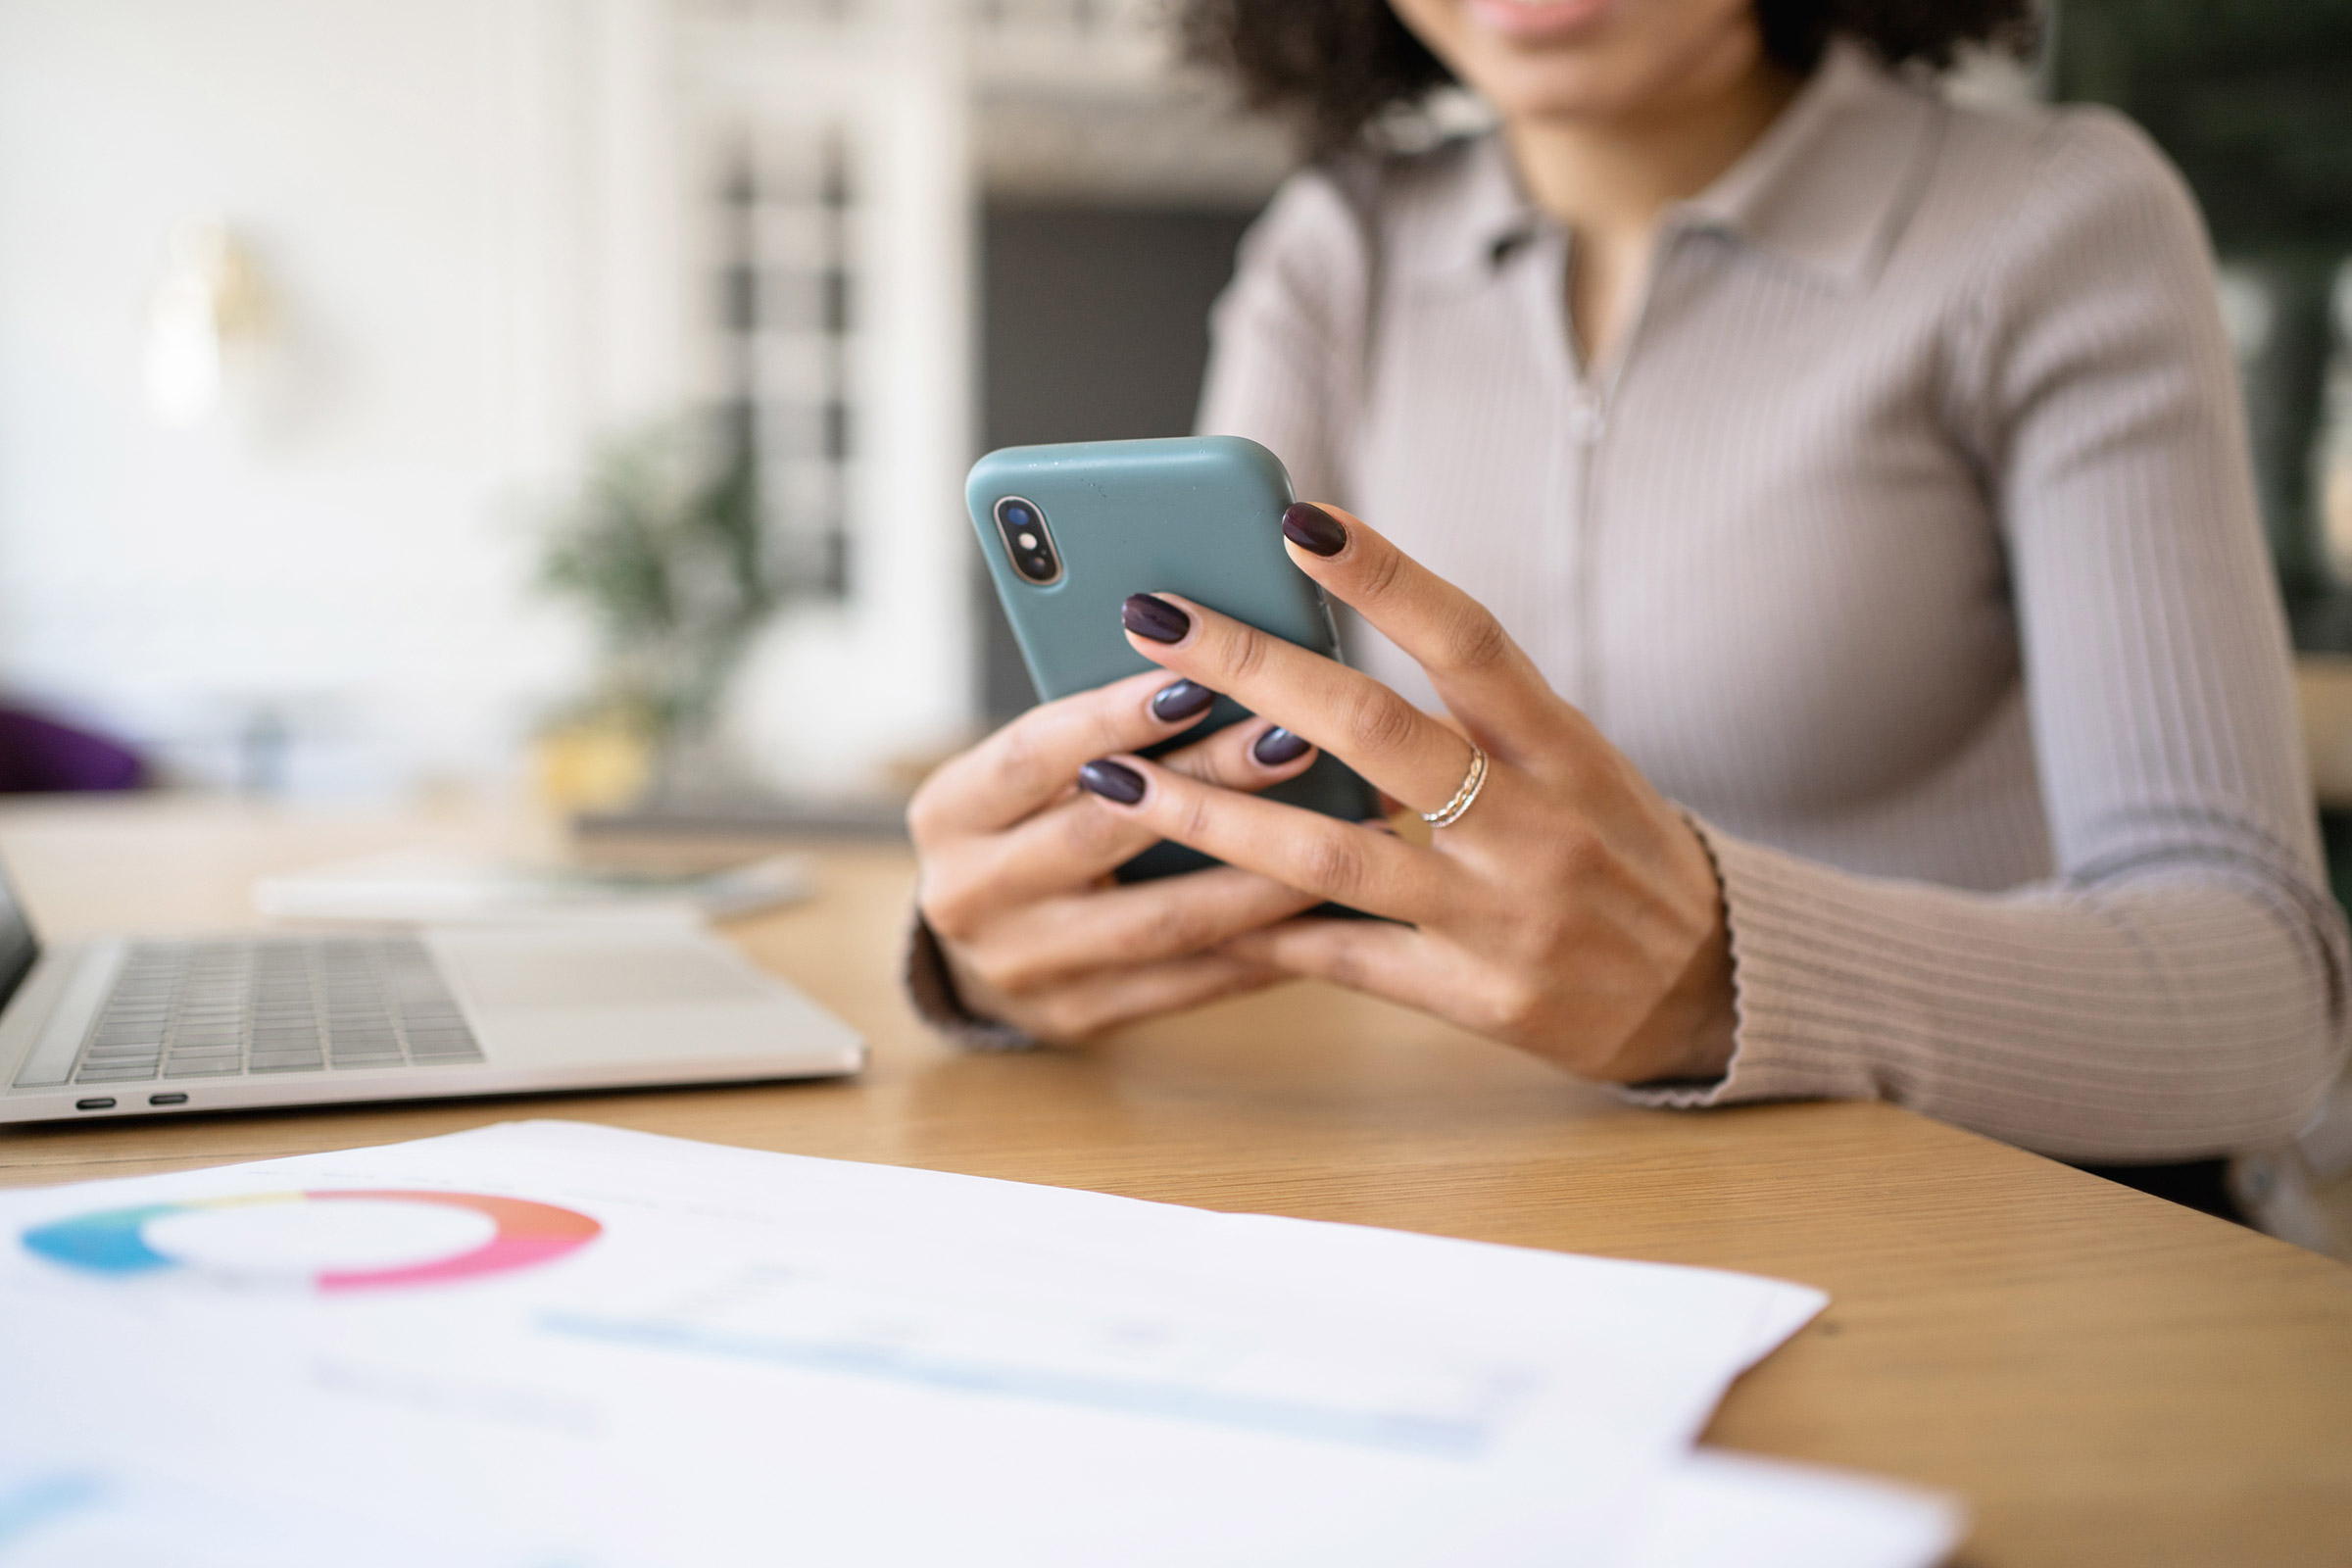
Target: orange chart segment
pixel 528 1233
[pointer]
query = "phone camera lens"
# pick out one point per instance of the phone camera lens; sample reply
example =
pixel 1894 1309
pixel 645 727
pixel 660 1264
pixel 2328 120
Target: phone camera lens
pixel 1027 541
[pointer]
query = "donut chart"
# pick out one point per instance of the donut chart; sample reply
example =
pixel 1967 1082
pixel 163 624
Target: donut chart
pixel 114 1241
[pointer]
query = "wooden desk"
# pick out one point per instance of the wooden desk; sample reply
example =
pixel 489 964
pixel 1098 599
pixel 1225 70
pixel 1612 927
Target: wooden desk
pixel 2109 1379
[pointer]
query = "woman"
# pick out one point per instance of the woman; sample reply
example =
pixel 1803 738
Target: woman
pixel 1820 600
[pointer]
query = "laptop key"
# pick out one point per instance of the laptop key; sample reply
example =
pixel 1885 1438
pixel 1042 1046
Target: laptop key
pixel 218 1010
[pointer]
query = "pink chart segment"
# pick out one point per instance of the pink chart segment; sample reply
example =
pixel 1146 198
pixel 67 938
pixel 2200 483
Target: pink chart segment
pixel 528 1234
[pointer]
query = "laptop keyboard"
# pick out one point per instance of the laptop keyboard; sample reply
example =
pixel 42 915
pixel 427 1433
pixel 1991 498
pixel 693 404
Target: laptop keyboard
pixel 223 1009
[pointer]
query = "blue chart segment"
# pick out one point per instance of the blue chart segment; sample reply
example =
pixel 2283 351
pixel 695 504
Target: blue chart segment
pixel 114 1242
pixel 1453 1418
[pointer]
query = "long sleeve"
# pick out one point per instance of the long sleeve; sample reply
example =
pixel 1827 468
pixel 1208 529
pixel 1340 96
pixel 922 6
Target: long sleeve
pixel 2179 988
pixel 1294 313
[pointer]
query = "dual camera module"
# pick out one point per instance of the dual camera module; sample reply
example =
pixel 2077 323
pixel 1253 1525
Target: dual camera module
pixel 1027 541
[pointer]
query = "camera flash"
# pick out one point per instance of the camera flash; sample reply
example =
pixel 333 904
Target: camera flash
pixel 1028 541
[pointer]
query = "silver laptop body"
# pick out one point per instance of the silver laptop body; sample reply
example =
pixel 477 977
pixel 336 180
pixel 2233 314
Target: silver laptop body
pixel 130 1026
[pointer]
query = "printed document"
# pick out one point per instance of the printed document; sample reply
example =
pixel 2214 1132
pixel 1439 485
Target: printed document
pixel 623 1349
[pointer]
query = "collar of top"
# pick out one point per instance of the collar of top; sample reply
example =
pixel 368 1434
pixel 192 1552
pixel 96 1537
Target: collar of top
pixel 1825 189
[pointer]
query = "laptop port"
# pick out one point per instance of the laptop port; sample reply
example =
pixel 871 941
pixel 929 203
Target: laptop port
pixel 101 1103
pixel 167 1099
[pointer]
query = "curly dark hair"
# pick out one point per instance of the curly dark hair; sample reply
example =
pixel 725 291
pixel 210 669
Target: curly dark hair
pixel 1335 65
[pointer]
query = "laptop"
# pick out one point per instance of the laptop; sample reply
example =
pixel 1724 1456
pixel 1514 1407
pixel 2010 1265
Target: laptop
pixel 142 1026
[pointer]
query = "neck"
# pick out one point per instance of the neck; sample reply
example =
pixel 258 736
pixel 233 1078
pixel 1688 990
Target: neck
pixel 1608 176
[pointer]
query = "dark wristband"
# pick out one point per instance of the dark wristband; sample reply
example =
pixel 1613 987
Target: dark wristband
pixel 931 987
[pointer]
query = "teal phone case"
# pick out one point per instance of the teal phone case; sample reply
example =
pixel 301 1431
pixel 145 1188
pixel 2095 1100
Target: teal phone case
pixel 1199 515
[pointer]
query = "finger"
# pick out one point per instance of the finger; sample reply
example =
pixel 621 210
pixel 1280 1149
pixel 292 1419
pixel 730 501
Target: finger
pixel 1483 676
pixel 1400 749
pixel 1169 917
pixel 1097 1004
pixel 1075 842
pixel 1247 756
pixel 1361 866
pixel 1391 961
pixel 1028 762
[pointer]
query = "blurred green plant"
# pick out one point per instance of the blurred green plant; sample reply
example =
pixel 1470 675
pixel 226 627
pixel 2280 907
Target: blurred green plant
pixel 665 548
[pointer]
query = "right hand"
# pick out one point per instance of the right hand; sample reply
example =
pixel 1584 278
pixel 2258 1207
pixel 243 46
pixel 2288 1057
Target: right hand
pixel 1016 861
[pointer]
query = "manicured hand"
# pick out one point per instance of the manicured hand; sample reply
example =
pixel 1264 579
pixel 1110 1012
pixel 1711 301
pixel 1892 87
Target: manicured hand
pixel 1571 910
pixel 1016 863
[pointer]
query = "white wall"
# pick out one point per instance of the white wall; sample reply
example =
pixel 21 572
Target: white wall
pixel 472 214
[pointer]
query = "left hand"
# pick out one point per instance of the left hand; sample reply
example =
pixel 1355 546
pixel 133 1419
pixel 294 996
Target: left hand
pixel 1572 912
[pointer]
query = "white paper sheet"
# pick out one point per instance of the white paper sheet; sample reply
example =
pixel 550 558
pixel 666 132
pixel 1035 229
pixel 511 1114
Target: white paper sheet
pixel 55 1515
pixel 763 1358
pixel 1719 1509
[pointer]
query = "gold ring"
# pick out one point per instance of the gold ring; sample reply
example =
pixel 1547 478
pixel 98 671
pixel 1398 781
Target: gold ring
pixel 1472 782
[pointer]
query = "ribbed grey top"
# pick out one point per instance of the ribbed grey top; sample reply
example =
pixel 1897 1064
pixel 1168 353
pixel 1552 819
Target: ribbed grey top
pixel 1910 545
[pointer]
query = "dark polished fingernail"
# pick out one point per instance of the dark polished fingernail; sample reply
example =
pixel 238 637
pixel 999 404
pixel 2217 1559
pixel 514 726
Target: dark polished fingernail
pixel 1187 699
pixel 1155 619
pixel 1113 781
pixel 1311 528
pixel 1278 745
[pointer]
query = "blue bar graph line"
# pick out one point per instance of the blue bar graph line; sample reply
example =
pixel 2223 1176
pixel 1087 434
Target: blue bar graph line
pixel 36 1503
pixel 1439 1436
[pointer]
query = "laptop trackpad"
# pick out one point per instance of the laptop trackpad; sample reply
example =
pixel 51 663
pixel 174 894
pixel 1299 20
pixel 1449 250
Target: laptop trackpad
pixel 595 972
pixel 542 997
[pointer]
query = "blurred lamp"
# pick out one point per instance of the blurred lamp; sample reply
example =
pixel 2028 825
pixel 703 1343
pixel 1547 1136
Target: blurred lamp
pixel 211 298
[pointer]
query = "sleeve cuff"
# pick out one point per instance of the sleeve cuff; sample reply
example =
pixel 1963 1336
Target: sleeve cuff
pixel 932 990
pixel 1772 907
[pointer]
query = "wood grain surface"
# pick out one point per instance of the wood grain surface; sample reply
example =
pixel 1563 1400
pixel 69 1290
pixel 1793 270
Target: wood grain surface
pixel 2106 1378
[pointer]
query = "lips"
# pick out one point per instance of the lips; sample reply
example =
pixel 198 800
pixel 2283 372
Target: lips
pixel 1535 18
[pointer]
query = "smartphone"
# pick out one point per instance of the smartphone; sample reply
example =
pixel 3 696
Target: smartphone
pixel 1069 531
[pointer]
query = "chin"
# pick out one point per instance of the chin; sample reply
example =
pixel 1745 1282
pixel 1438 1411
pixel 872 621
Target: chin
pixel 1582 59
pixel 1578 86
pixel 1559 59
pixel 1561 94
